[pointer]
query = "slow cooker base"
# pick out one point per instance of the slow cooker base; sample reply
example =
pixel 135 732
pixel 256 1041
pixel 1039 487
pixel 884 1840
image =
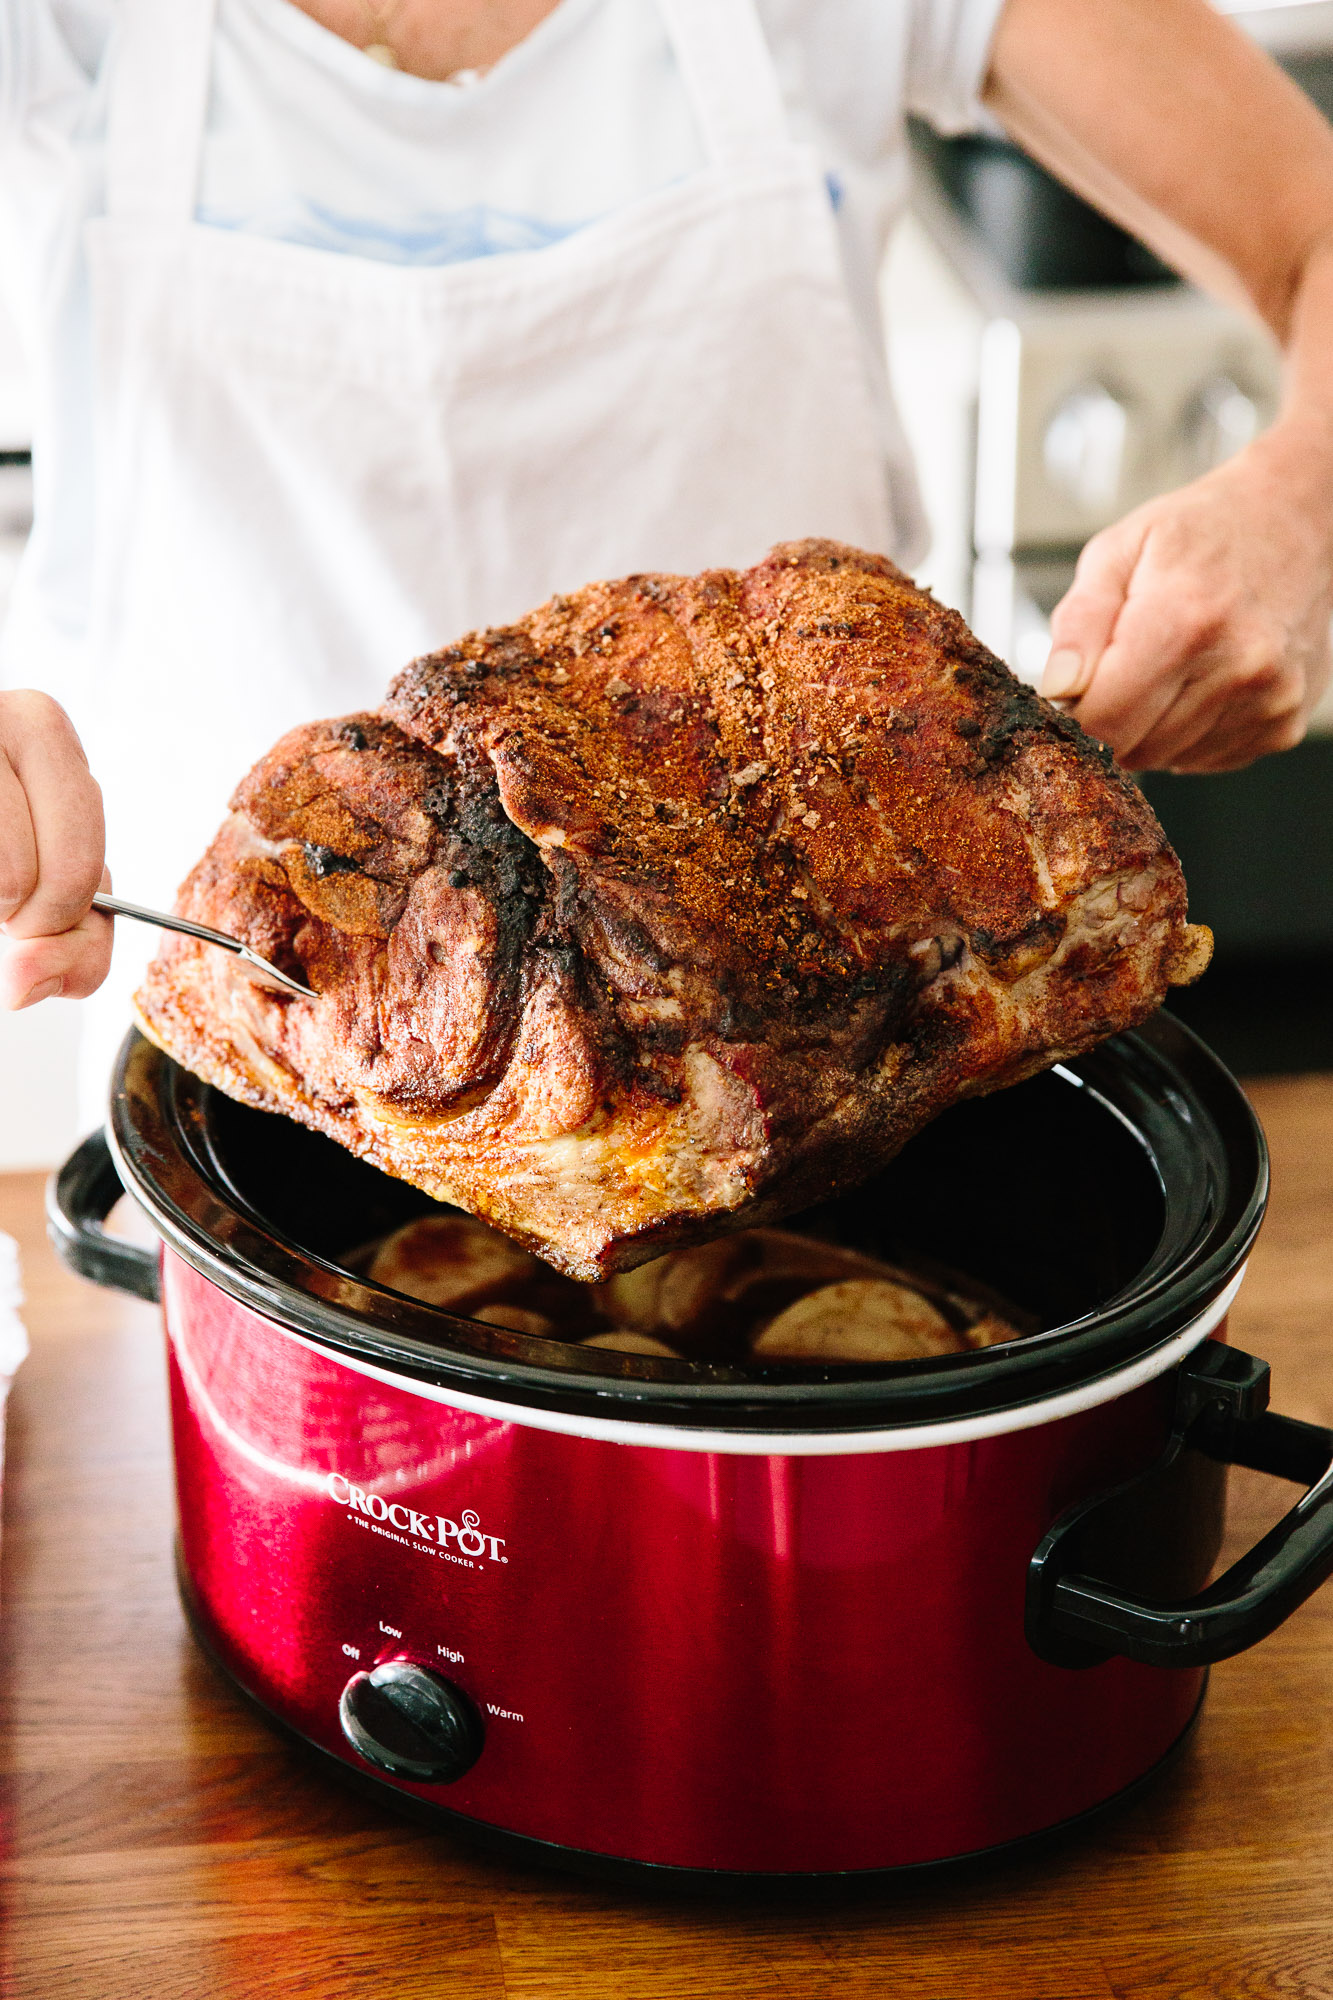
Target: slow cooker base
pixel 530 1852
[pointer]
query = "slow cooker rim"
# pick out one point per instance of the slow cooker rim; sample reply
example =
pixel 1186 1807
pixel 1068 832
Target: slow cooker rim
pixel 151 1145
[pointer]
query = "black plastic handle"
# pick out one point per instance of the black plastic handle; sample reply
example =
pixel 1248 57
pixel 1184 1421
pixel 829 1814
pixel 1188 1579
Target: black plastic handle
pixel 1076 1620
pixel 79 1199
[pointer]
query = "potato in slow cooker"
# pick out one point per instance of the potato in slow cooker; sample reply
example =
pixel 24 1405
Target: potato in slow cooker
pixel 861 1319
pixel 767 1294
pixel 710 1299
pixel 624 1340
pixel 465 1267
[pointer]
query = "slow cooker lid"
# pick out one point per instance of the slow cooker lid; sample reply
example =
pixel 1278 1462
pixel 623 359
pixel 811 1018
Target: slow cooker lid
pixel 1119 1193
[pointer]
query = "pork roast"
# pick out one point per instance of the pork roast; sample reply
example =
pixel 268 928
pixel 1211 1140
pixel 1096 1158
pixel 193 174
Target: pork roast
pixel 675 906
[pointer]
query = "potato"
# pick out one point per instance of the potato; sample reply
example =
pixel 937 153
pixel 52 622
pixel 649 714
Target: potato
pixel 451 1261
pixel 517 1318
pixel 860 1319
pixel 626 1340
pixel 717 1291
pixel 989 1331
pixel 632 1297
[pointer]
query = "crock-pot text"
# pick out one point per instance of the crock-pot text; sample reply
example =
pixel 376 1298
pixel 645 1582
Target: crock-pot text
pixel 465 1535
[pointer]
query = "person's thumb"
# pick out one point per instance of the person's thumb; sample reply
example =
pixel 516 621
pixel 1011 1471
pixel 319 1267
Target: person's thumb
pixel 1083 622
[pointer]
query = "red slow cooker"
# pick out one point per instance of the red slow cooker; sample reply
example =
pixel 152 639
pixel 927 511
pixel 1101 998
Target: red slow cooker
pixel 754 1621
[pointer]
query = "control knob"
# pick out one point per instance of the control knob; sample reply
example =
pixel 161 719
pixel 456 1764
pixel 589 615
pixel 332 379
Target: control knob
pixel 1085 446
pixel 411 1722
pixel 1220 421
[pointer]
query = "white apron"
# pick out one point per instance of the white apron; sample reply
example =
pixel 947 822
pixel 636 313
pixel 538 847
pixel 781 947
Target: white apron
pixel 311 467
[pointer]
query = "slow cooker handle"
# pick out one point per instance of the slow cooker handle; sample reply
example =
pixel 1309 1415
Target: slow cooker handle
pixel 1074 1620
pixel 79 1199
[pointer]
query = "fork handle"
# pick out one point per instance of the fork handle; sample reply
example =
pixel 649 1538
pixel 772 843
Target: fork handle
pixel 113 906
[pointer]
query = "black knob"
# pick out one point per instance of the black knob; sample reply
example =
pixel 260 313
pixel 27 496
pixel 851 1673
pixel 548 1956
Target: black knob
pixel 411 1722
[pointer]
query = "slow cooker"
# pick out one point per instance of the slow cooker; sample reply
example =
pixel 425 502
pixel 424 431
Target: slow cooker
pixel 730 1621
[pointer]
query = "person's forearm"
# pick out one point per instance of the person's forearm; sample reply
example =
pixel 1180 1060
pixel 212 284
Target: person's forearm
pixel 1302 436
pixel 1168 118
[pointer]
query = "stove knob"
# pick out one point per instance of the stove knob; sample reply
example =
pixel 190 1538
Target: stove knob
pixel 1086 445
pixel 411 1722
pixel 1221 420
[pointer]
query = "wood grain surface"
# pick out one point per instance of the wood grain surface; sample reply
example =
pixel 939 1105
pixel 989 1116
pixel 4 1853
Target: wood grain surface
pixel 158 1841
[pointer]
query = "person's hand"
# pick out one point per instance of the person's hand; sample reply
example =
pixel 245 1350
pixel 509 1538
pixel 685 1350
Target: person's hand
pixel 1195 636
pixel 51 856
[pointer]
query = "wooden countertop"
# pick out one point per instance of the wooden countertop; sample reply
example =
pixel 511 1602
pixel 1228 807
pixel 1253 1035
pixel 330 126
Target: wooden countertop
pixel 160 1844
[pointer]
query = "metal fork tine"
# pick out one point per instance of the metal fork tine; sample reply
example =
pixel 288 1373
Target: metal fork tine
pixel 114 906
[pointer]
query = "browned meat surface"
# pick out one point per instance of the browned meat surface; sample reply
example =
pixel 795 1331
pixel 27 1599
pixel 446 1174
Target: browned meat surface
pixel 674 906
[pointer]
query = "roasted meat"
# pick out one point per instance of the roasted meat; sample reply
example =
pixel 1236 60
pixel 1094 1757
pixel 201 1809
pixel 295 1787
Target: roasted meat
pixel 675 906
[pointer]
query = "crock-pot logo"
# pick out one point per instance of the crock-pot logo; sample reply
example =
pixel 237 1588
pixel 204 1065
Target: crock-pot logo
pixel 455 1539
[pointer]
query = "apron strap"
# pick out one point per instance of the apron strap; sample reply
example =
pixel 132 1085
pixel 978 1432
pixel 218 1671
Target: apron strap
pixel 158 101
pixel 729 74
